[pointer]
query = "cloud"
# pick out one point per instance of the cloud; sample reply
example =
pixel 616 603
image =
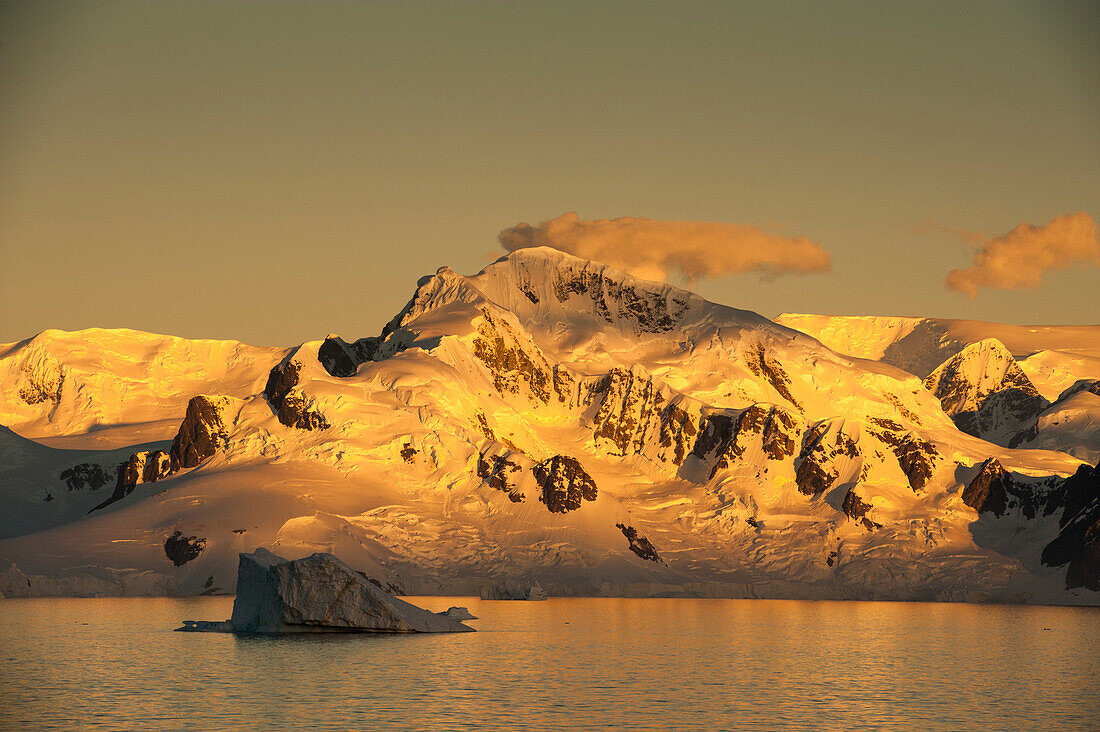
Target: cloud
pixel 655 249
pixel 1019 258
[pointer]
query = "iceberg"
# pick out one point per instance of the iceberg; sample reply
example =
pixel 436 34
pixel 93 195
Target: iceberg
pixel 319 594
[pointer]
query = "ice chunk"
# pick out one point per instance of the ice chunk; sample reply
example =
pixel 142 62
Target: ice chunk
pixel 458 613
pixel 315 595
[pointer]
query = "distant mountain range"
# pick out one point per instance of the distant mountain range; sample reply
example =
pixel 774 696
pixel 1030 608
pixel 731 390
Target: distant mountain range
pixel 551 420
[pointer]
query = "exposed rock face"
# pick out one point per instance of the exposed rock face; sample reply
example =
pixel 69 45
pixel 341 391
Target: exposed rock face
pixel 771 371
pixel 985 392
pixel 201 432
pixel 916 457
pixel 856 508
pixel 146 466
pixel 1092 386
pixel 565 483
pixel 639 544
pixel 516 364
pixel 87 475
pixel 322 594
pixel 289 402
pixel 994 490
pixel 501 473
pixel 42 381
pixel 825 446
pixel 644 309
pixel 182 549
pixel 293 412
pixel 988 491
pixel 725 439
pixel 635 415
pixel 199 436
pixel 343 359
pixel 1078 543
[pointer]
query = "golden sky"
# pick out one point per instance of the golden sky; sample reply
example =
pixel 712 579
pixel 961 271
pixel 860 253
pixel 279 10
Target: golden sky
pixel 275 171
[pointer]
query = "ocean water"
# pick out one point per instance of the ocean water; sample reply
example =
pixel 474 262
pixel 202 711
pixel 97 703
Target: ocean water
pixel 622 664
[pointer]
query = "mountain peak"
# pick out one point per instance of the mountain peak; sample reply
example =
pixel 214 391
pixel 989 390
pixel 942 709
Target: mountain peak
pixel 985 391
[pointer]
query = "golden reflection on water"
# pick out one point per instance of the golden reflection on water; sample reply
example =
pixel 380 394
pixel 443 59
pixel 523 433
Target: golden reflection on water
pixel 585 663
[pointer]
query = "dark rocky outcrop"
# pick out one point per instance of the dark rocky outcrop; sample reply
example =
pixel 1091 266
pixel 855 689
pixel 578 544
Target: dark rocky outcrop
pixel 146 466
pixel 916 457
pixel 639 544
pixel 200 434
pixel 1078 542
pixel 408 452
pixel 988 490
pixel 293 412
pixel 856 508
pixel 635 306
pixel 182 549
pixel 199 437
pixel 343 359
pixel 772 372
pixel 42 382
pixel 725 439
pixel 287 401
pixel 514 363
pixel 564 483
pixel 994 490
pixel 87 475
pixel 121 489
pixel 817 469
pixel 636 415
pixel 628 403
pixel 500 473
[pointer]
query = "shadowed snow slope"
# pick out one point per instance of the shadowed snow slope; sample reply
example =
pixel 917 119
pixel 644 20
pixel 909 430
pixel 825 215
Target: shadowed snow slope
pixel 552 420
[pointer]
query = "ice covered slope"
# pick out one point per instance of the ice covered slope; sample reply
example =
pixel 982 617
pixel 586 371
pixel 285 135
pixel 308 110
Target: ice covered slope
pixel 1053 356
pixel 1071 423
pixel 552 420
pixel 118 387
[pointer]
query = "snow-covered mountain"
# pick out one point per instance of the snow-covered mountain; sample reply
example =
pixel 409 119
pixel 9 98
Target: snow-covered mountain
pixel 549 419
pixel 986 392
pixel 1052 356
pixel 997 381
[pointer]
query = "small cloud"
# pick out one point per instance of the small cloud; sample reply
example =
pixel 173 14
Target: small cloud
pixel 655 249
pixel 1018 259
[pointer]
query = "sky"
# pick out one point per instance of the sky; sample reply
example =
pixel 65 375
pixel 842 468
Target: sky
pixel 273 172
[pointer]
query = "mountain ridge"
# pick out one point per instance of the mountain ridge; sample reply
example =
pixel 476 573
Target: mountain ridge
pixel 507 425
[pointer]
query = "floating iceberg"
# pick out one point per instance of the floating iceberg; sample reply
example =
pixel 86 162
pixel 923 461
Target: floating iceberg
pixel 319 594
